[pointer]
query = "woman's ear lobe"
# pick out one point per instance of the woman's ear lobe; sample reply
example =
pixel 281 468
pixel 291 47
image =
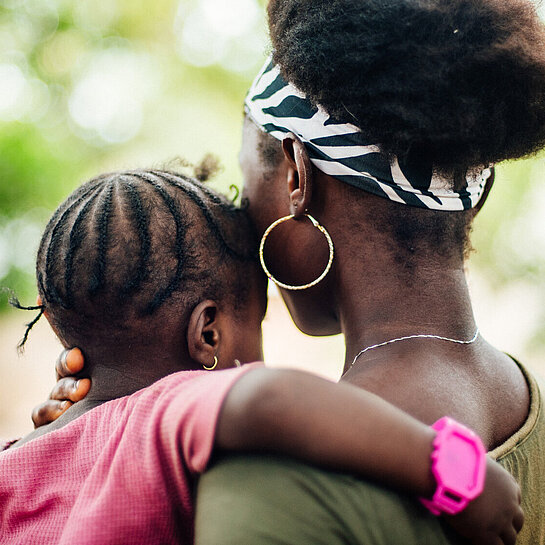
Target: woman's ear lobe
pixel 203 336
pixel 299 176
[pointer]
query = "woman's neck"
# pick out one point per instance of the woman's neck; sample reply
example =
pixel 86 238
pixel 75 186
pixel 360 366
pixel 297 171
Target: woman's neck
pixel 428 377
pixel 379 305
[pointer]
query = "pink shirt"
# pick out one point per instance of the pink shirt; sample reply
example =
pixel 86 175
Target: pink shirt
pixel 121 473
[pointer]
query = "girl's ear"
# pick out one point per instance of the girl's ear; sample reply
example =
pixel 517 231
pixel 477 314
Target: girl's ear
pixel 299 174
pixel 203 335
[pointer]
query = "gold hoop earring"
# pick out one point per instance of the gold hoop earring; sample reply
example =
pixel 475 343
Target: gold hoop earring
pixel 304 286
pixel 212 367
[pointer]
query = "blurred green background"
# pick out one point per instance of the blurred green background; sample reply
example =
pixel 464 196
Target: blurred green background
pixel 91 86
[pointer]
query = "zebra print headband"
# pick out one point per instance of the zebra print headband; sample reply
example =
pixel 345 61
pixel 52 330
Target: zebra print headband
pixel 340 150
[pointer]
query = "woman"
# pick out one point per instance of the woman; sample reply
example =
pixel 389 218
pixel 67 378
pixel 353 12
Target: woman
pixel 446 88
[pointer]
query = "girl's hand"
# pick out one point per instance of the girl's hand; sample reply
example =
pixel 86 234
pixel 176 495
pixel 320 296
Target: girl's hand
pixel 68 390
pixel 495 517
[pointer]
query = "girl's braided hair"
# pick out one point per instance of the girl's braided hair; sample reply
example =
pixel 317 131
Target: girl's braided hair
pixel 123 245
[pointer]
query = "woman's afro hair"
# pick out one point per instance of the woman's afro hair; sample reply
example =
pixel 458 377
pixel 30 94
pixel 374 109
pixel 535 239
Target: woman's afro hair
pixel 458 82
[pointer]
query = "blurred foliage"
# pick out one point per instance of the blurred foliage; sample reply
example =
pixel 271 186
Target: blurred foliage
pixel 90 86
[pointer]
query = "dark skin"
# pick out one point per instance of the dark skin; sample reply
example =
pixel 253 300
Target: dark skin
pixel 368 297
pixel 287 412
pixel 115 370
pixel 279 411
pixel 209 320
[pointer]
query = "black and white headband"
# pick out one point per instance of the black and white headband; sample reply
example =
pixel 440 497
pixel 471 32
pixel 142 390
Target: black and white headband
pixel 339 149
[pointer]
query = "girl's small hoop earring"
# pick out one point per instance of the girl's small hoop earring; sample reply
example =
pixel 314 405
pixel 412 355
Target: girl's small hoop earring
pixel 304 286
pixel 212 367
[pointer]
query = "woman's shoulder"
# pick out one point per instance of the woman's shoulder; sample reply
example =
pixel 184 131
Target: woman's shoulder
pixel 523 455
pixel 530 437
pixel 269 500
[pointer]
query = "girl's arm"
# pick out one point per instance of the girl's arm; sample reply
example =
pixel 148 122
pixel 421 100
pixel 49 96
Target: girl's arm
pixel 340 426
pixel 333 425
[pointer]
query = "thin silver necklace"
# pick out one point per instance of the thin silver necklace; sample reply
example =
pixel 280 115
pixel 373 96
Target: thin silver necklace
pixel 391 341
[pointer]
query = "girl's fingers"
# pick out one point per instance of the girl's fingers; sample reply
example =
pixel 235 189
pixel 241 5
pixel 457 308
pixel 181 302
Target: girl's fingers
pixel 69 363
pixel 49 411
pixel 70 389
pixel 509 537
pixel 518 520
pixel 491 539
pixel 60 364
pixel 67 390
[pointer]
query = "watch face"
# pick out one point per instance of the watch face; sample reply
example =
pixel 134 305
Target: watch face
pixel 458 464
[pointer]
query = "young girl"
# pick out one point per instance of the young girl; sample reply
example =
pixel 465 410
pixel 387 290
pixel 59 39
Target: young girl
pixel 143 263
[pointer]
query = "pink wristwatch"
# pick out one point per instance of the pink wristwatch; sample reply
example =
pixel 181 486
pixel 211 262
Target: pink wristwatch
pixel 458 465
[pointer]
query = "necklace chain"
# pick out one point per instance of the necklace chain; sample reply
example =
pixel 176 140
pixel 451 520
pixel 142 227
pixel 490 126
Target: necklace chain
pixel 421 336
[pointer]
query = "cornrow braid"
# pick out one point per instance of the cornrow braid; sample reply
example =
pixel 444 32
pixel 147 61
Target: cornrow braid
pixel 56 233
pixel 97 279
pixel 212 223
pixel 162 295
pixel 213 197
pixel 84 189
pixel 142 225
pixel 76 238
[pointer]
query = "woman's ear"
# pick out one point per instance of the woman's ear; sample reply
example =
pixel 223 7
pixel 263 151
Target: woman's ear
pixel 299 174
pixel 203 336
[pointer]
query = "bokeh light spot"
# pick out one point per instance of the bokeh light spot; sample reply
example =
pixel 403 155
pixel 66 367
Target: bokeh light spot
pixel 108 99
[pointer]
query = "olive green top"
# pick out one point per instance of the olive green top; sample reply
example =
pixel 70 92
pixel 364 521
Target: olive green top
pixel 523 455
pixel 266 500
